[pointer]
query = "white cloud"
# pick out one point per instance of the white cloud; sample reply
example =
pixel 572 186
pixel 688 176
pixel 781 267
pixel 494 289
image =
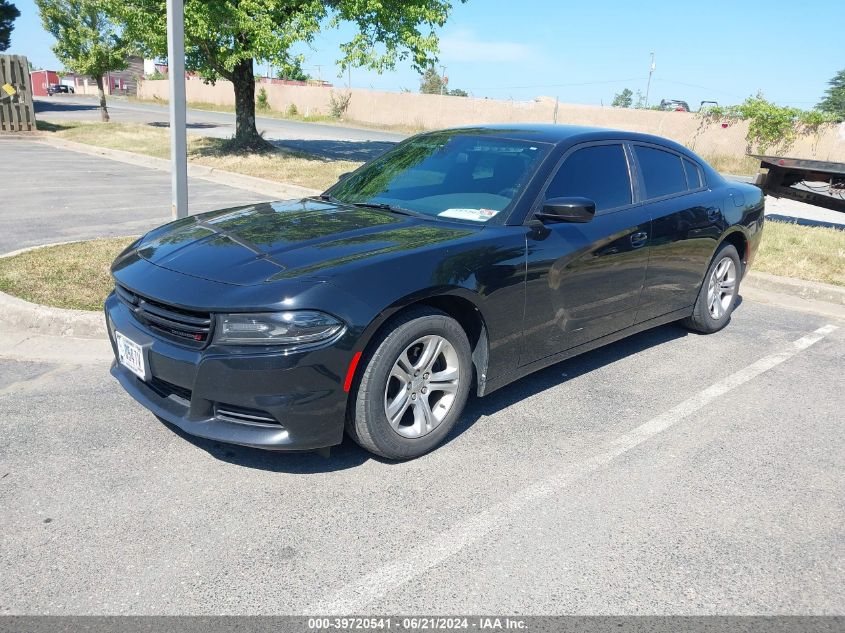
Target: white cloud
pixel 465 46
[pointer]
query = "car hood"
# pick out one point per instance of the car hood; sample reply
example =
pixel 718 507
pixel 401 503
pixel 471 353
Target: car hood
pixel 286 240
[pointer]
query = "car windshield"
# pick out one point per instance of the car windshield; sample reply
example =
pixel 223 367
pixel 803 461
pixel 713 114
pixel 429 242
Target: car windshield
pixel 452 175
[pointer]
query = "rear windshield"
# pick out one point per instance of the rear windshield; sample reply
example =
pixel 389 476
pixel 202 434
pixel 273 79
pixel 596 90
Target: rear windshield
pixel 447 175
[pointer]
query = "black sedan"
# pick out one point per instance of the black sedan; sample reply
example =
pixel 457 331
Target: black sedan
pixel 459 260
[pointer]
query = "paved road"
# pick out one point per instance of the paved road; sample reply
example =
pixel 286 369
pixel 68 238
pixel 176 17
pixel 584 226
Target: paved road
pixel 333 141
pixel 589 487
pixel 60 195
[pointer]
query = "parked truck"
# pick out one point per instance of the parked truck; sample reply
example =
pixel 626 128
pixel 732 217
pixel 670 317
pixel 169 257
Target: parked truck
pixel 815 182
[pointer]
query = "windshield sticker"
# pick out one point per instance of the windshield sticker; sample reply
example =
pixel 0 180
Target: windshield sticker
pixel 476 215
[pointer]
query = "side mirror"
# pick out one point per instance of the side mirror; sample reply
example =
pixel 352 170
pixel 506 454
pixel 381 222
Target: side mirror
pixel 566 210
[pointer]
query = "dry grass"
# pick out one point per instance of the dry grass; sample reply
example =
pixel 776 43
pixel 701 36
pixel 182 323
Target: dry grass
pixel 734 165
pixel 802 252
pixel 281 165
pixel 66 276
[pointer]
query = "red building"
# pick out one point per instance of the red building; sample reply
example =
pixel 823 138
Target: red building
pixel 41 80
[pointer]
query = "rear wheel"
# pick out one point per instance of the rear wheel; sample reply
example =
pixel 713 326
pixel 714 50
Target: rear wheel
pixel 414 386
pixel 717 297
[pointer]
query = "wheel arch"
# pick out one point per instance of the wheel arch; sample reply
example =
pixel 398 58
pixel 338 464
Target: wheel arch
pixel 737 238
pixel 459 304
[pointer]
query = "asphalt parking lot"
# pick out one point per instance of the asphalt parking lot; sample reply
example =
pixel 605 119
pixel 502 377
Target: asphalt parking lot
pixel 669 473
pixel 61 195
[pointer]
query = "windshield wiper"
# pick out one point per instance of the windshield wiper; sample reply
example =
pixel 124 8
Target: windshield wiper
pixel 383 206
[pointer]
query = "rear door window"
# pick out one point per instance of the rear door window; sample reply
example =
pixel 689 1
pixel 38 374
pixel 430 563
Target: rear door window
pixel 662 172
pixel 599 172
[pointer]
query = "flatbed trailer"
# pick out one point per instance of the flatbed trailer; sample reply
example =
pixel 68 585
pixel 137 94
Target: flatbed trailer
pixel 816 182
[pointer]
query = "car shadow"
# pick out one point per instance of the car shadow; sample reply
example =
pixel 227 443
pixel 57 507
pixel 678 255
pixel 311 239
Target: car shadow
pixel 349 455
pixel 337 150
pixel 806 222
pixel 562 372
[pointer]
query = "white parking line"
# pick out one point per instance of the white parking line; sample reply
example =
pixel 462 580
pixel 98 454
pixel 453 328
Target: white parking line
pixel 355 596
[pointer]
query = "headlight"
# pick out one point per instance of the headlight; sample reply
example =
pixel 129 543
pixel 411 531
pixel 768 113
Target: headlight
pixel 275 328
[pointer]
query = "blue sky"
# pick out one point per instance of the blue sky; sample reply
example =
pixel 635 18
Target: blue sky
pixel 584 52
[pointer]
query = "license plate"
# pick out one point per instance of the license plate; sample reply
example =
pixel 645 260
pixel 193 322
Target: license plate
pixel 131 355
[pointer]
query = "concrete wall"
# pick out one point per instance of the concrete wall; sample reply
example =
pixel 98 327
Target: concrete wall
pixel 423 111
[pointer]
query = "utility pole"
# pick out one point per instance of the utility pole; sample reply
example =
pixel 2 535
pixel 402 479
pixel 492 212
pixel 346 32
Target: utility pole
pixel 442 79
pixel 648 85
pixel 320 73
pixel 178 139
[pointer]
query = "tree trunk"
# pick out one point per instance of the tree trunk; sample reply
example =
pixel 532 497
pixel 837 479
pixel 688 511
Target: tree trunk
pixel 246 134
pixel 104 111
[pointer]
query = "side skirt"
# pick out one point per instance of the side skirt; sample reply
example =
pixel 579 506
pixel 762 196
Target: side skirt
pixel 492 385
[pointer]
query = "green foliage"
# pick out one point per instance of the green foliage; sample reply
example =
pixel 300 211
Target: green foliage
pixel 8 14
pixel 769 126
pixel 157 74
pixel 293 71
pixel 292 110
pixel 261 101
pixel 623 99
pixel 339 103
pixel 834 100
pixel 224 38
pixel 431 83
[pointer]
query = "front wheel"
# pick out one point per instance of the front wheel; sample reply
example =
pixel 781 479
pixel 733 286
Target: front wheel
pixel 414 386
pixel 717 297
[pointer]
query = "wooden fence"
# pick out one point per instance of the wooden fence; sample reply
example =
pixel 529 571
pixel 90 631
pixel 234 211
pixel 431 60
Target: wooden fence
pixel 16 111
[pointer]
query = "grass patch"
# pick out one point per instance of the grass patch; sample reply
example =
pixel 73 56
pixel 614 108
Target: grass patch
pixel 802 252
pixel 736 165
pixel 281 165
pixel 66 276
pixel 77 275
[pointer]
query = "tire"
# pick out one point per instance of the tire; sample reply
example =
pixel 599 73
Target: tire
pixel 711 313
pixel 399 376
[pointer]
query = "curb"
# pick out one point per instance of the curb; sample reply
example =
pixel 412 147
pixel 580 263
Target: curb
pixel 278 190
pixel 39 319
pixel 811 290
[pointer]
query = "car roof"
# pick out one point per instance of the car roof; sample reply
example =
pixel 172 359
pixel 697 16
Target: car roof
pixel 563 134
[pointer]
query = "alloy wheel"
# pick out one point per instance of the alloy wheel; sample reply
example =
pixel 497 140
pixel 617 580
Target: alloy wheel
pixel 422 386
pixel 722 287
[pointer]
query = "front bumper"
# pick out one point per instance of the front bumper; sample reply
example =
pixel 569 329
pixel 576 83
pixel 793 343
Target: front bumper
pixel 262 398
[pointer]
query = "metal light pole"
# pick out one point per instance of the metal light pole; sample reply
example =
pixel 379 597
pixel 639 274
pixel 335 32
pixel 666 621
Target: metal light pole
pixel 442 79
pixel 648 85
pixel 178 139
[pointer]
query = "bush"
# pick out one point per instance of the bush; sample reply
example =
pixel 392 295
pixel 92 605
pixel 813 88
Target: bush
pixel 261 101
pixel 292 110
pixel 769 126
pixel 339 104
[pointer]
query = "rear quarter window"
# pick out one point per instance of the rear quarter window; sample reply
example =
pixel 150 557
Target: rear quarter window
pixel 693 172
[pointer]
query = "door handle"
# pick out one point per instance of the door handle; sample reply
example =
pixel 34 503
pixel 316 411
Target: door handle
pixel 714 214
pixel 639 239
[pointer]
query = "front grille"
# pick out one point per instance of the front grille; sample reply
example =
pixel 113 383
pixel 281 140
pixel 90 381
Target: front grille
pixel 243 415
pixel 188 326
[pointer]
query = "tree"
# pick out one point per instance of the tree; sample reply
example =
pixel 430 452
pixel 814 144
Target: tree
pixel 8 14
pixel 834 100
pixel 431 83
pixel 87 41
pixel 457 92
pixel 293 71
pixel 225 38
pixel 623 99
